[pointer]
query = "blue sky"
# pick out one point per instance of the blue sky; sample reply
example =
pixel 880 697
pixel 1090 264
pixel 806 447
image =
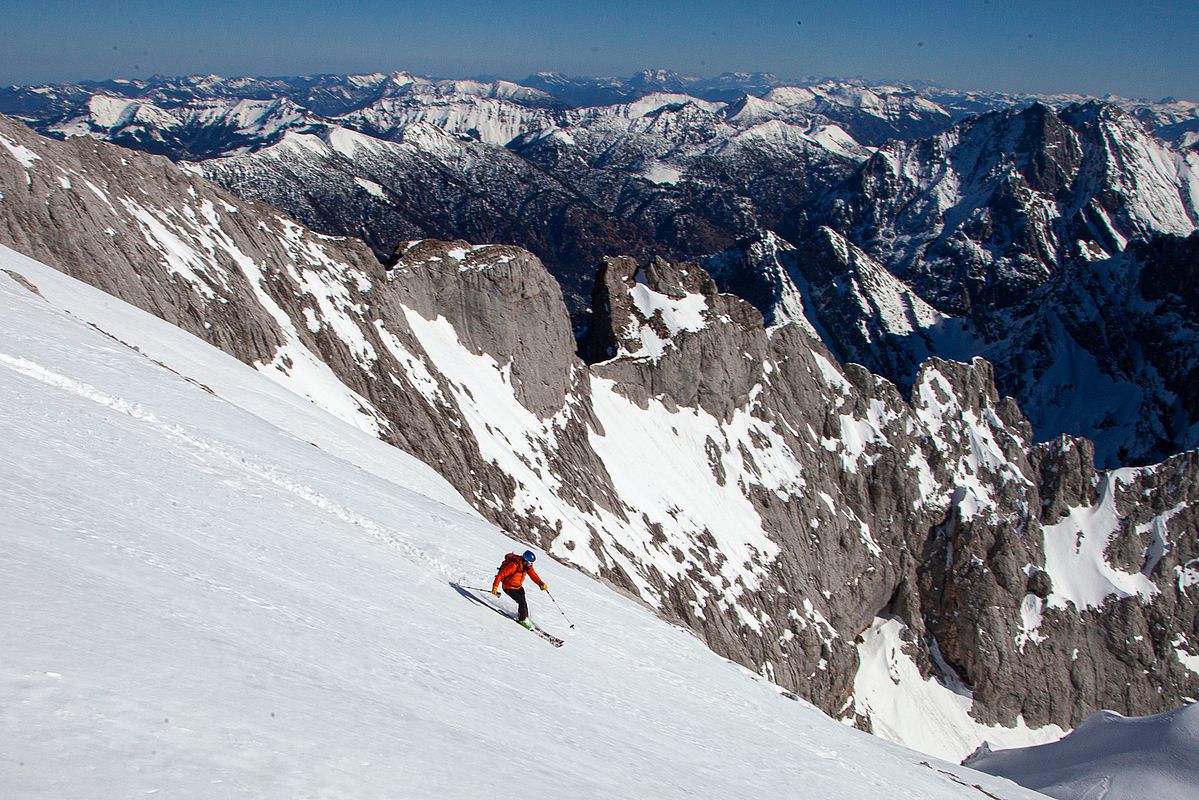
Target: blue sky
pixel 1138 48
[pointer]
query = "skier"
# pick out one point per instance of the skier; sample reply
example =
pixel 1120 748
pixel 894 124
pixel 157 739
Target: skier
pixel 512 573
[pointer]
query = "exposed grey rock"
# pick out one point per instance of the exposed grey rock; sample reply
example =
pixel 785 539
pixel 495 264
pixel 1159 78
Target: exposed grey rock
pixel 1067 476
pixel 707 368
pixel 501 302
pixel 986 212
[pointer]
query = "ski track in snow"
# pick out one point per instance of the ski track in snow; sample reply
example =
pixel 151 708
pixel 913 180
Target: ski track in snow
pixel 239 460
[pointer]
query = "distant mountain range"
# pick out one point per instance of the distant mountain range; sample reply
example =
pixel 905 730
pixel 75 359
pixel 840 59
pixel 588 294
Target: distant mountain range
pixel 1006 226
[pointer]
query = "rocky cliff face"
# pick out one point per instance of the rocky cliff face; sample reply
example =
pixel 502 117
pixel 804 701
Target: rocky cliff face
pixel 734 476
pixel 1037 625
pixel 983 214
pixel 1117 325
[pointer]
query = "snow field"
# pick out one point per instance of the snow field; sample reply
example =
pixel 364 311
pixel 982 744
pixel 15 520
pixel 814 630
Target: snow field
pixel 1110 756
pixel 925 710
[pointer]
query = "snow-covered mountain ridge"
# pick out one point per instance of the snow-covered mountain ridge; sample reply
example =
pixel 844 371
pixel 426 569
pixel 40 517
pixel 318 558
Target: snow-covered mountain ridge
pixel 737 479
pixel 874 111
pixel 981 214
pixel 979 206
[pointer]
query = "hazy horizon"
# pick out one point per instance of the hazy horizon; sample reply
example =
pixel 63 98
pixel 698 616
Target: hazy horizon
pixel 518 79
pixel 1095 48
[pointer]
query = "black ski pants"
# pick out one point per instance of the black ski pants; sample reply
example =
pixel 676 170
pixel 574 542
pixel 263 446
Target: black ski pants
pixel 519 596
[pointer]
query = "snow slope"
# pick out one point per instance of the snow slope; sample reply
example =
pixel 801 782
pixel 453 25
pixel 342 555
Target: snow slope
pixel 211 588
pixel 935 713
pixel 1110 756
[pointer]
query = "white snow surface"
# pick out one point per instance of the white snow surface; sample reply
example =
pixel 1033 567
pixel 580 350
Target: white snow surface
pixel 662 174
pixel 26 157
pixel 1111 757
pixel 936 713
pixel 371 188
pixel 1075 555
pixel 686 314
pixel 213 588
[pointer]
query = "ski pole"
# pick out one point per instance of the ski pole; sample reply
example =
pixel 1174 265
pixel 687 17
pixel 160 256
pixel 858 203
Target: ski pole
pixel 560 611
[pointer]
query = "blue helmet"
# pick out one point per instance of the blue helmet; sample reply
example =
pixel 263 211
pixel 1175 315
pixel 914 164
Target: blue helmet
pixel 529 556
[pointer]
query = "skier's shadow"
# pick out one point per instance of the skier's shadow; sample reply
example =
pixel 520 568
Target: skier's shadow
pixel 474 598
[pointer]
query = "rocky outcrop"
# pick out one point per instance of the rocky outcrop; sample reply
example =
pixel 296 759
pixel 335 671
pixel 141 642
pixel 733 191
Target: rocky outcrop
pixel 501 302
pixel 713 367
pixel 858 309
pixel 1045 651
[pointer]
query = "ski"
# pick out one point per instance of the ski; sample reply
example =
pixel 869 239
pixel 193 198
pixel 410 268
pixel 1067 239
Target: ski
pixel 475 594
pixel 549 637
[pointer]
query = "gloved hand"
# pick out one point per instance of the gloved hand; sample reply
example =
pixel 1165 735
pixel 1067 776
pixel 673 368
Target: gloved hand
pixel 545 587
pixel 495 590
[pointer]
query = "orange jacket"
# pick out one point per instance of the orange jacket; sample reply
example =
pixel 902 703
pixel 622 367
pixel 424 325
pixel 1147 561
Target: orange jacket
pixel 512 573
